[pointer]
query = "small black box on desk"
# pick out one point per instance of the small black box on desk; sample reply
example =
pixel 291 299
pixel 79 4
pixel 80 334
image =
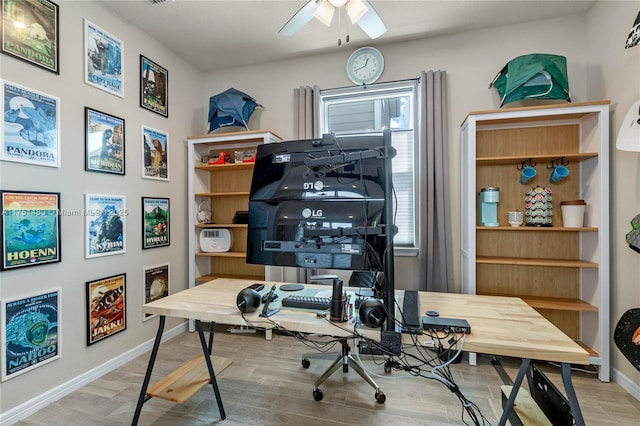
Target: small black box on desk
pixel 446 324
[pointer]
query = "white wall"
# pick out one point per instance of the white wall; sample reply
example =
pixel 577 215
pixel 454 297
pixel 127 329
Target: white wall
pixel 185 84
pixel 470 59
pixel 614 73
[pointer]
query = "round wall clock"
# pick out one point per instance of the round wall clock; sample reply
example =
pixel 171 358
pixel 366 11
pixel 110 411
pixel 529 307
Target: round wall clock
pixel 365 65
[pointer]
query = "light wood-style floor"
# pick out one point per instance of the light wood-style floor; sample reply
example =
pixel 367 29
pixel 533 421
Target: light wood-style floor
pixel 266 385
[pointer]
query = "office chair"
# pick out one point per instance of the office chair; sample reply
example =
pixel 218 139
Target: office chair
pixel 367 279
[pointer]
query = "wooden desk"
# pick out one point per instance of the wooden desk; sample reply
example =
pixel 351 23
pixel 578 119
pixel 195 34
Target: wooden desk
pixel 503 326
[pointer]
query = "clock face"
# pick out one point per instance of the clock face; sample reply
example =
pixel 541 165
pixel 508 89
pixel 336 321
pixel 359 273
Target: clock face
pixel 365 65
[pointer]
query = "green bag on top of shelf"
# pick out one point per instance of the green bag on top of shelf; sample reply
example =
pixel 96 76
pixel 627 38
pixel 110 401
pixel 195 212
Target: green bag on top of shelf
pixel 534 76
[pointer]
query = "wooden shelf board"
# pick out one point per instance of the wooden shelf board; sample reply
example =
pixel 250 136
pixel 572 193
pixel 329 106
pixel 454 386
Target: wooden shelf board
pixel 214 276
pixel 234 137
pixel 559 304
pixel 241 254
pixel 537 228
pixel 562 263
pixel 539 158
pixel 525 407
pixel 224 167
pixel 550 116
pixel 222 194
pixel 553 303
pixel 181 384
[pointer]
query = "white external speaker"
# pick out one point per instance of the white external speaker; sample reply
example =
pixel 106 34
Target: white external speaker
pixel 215 240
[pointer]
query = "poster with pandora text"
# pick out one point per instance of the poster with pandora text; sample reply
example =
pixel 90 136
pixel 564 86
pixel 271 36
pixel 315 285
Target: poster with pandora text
pixel 30 130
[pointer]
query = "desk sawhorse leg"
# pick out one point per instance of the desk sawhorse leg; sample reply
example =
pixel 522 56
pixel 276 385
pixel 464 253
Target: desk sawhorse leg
pixel 154 352
pixel 568 387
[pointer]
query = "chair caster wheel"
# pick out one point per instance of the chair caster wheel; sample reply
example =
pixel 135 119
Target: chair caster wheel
pixel 380 397
pixel 306 363
pixel 387 367
pixel 317 395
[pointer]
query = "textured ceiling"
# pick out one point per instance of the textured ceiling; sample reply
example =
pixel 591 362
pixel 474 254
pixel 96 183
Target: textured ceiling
pixel 218 34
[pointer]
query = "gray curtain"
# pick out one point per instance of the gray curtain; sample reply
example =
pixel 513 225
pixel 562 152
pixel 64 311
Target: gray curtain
pixel 306 99
pixel 305 120
pixel 435 215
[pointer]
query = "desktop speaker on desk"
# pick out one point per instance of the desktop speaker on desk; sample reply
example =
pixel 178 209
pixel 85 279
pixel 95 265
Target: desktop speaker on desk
pixel 248 300
pixel 372 313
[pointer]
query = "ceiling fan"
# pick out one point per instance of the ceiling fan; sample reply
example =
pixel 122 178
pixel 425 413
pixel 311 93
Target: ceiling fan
pixel 359 11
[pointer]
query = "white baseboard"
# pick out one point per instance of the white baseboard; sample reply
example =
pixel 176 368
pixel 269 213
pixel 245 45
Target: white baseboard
pixel 30 407
pixel 626 383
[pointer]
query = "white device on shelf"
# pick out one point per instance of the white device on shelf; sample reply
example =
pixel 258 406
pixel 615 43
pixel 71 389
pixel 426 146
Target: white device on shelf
pixel 216 240
pixel 204 212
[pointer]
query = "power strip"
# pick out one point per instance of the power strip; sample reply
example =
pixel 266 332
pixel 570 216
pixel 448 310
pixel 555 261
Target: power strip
pixel 446 324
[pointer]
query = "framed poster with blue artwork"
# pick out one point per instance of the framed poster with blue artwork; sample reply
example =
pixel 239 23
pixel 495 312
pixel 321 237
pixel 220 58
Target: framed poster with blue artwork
pixel 30 332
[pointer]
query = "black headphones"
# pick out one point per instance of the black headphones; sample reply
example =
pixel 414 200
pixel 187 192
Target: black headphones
pixel 372 313
pixel 248 300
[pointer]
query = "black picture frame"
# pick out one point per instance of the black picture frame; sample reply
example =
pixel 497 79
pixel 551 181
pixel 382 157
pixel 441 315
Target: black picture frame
pixel 37 39
pixel 154 87
pixel 29 228
pixel 104 144
pixel 106 301
pixel 156 222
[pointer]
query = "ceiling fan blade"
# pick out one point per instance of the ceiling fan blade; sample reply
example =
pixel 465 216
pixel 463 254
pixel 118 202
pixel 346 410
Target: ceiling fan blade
pixel 371 23
pixel 301 18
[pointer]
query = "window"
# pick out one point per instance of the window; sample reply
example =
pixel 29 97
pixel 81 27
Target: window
pixel 370 109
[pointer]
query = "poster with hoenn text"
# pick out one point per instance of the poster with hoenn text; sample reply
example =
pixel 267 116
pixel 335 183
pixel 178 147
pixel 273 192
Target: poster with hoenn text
pixel 29 228
pixel 30 126
pixel 30 332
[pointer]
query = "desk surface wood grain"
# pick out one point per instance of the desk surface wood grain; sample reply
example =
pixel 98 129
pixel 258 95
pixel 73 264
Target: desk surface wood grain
pixel 504 326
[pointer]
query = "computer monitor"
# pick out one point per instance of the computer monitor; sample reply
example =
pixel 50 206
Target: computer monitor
pixel 326 203
pixel 319 203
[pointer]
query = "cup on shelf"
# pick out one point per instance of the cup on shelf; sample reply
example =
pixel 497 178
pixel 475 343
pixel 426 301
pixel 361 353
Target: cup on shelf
pixel 238 156
pixel 573 213
pixel 559 172
pixel 515 218
pixel 527 174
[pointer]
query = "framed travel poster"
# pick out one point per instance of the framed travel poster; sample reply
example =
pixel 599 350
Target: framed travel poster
pixel 103 60
pixel 155 154
pixel 104 142
pixel 30 32
pixel 30 228
pixel 106 307
pixel 156 285
pixel 30 332
pixel 154 87
pixel 31 126
pixel 105 220
pixel 155 222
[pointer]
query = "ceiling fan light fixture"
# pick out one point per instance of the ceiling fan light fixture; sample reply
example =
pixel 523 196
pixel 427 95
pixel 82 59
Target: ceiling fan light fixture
pixel 356 10
pixel 337 3
pixel 324 12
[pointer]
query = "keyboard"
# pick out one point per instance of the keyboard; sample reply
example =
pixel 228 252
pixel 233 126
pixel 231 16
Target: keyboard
pixel 307 302
pixel 410 311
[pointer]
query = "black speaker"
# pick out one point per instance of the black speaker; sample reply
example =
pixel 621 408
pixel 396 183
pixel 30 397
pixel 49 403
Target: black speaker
pixel 372 313
pixel 248 300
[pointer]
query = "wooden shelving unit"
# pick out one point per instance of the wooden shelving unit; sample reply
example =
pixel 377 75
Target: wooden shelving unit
pixel 226 189
pixel 562 272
